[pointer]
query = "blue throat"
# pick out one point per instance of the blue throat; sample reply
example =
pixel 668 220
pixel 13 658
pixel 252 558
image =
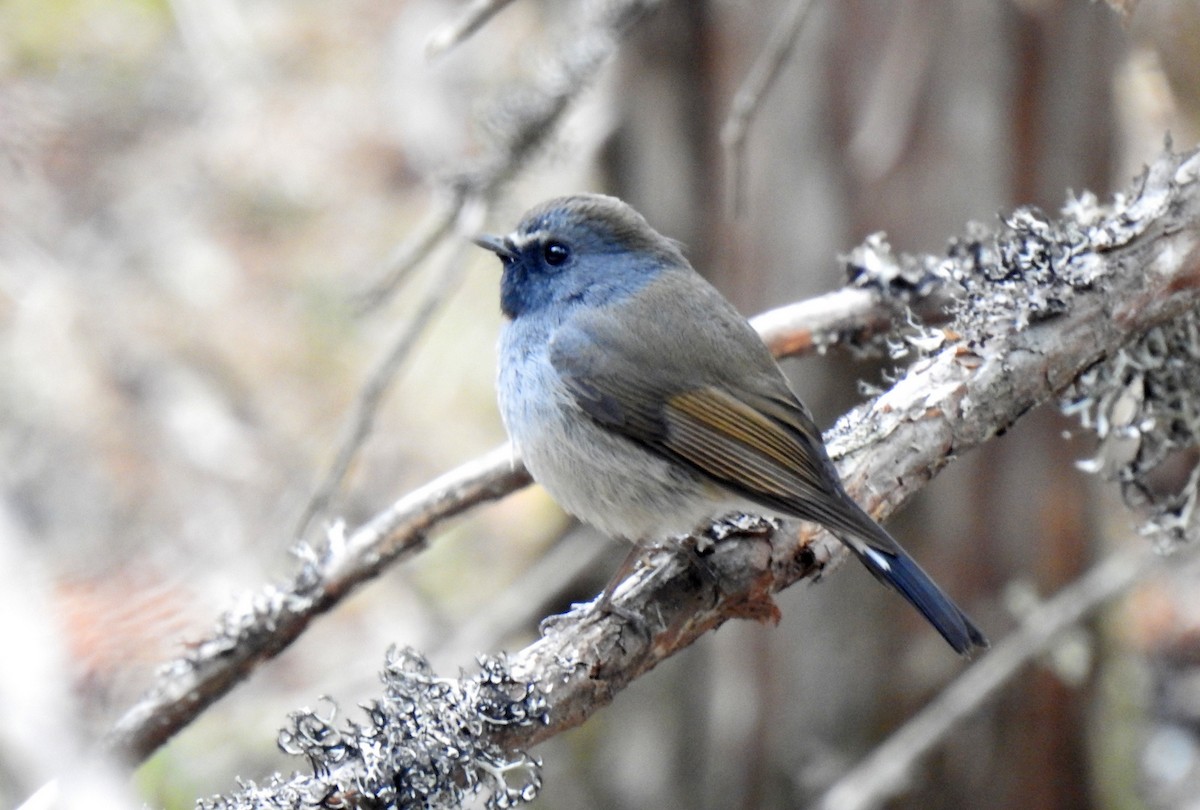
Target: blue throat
pixel 528 287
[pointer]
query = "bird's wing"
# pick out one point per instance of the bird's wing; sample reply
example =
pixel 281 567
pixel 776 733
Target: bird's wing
pixel 739 426
pixel 736 422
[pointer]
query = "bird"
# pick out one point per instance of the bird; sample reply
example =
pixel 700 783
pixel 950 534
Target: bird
pixel 647 405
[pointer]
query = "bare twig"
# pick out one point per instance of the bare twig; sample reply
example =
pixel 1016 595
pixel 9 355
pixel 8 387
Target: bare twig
pixel 763 74
pixel 242 641
pixel 529 116
pixel 519 605
pixel 524 120
pixel 371 395
pixel 887 770
pixel 1133 269
pixel 471 20
pixel 412 251
pixel 527 125
pixel 847 315
pixel 272 619
pixel 885 120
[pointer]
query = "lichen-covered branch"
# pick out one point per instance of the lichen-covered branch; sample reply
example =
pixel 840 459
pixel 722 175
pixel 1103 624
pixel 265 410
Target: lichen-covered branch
pixel 1042 302
pixel 271 619
pixel 423 744
pixel 264 624
pixel 1040 305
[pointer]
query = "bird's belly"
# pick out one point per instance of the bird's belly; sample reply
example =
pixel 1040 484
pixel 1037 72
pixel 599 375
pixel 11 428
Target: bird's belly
pixel 597 475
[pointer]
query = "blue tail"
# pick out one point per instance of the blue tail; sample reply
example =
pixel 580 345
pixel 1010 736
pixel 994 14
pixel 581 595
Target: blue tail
pixel 895 568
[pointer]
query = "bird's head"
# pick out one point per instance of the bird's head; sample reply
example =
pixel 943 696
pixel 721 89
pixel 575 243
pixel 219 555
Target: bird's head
pixel 586 249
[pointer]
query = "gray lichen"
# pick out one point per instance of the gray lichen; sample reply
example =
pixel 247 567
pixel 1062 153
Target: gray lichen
pixel 1143 401
pixel 426 743
pixel 1144 406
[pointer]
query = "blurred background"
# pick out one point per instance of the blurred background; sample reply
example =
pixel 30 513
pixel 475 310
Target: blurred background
pixel 193 191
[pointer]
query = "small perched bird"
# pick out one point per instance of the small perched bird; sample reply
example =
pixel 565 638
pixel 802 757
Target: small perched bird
pixel 646 404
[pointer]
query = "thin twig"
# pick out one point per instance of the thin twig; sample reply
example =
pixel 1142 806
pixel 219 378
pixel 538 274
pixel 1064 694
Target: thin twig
pixel 525 119
pixel 749 96
pixel 1141 273
pixel 884 122
pixel 471 20
pixel 411 252
pixel 272 619
pixel 529 123
pixel 520 605
pixel 362 418
pixel 529 116
pixel 888 769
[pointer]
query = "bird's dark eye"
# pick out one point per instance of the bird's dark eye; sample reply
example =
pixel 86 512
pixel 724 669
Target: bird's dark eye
pixel 555 253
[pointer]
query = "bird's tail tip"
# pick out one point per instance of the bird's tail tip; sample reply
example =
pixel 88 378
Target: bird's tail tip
pixel 902 572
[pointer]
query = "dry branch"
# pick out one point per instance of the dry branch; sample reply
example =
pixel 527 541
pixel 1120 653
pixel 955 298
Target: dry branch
pixel 273 618
pixel 1094 284
pixel 373 391
pixel 471 20
pixel 754 89
pixel 1114 275
pixel 524 123
pixel 888 769
pixel 248 635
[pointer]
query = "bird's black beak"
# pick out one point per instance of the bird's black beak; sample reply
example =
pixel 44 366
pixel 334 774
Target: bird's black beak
pixel 496 244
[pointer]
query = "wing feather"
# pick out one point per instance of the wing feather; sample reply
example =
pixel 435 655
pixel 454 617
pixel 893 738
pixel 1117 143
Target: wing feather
pixel 771 462
pixel 761 444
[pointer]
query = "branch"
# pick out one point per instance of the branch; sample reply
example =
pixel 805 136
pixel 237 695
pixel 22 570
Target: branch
pixel 408 255
pixel 1129 270
pixel 749 96
pixel 885 120
pixel 1135 268
pixel 372 393
pixel 523 123
pixel 472 19
pixel 272 619
pixel 887 770
pixel 269 621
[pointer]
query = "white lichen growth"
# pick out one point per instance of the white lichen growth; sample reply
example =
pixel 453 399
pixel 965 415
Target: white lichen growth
pixel 427 742
pixel 1143 401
